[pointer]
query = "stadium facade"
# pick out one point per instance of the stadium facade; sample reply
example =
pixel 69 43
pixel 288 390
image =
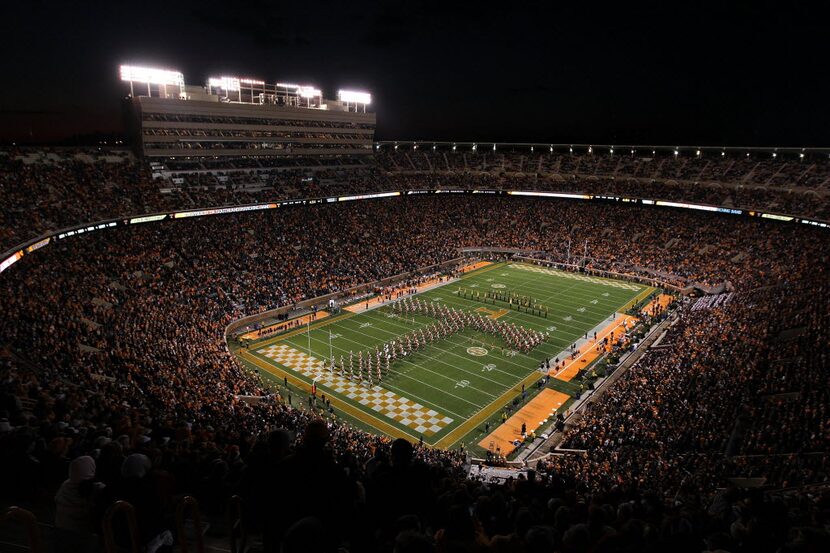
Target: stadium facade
pixel 230 118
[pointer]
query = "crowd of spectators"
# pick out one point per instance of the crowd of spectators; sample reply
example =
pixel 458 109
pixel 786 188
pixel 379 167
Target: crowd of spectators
pixel 115 373
pixel 759 168
pixel 44 190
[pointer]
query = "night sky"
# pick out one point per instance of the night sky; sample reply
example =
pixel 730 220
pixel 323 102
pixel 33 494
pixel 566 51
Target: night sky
pixel 650 72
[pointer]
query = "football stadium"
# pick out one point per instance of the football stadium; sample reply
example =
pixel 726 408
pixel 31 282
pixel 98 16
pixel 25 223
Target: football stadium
pixel 265 314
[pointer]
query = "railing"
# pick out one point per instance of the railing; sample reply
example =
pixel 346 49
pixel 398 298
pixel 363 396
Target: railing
pixel 238 535
pixel 181 511
pixel 29 521
pixel 110 545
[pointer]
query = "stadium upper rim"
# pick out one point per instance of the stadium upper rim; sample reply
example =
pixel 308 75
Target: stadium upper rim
pixel 620 149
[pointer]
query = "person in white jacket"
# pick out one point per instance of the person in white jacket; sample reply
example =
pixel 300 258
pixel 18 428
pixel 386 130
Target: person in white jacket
pixel 77 505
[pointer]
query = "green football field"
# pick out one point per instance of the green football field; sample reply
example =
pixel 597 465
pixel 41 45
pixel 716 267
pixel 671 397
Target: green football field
pixel 439 392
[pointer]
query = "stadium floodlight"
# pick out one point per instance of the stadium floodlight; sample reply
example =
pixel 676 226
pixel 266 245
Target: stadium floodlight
pixel 149 75
pixel 354 97
pixel 253 82
pixel 288 85
pixel 225 83
pixel 308 92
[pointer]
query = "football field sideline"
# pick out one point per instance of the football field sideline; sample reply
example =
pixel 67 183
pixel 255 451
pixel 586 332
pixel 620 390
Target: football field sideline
pixel 441 391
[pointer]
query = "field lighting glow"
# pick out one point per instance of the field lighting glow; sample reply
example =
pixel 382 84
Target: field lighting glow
pixel 354 97
pixel 308 92
pixel 151 75
pixel 225 83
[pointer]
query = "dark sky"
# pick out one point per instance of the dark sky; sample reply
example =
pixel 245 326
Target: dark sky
pixel 646 72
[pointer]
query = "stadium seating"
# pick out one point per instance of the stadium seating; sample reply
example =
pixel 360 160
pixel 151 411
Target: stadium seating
pixel 116 375
pixel 73 186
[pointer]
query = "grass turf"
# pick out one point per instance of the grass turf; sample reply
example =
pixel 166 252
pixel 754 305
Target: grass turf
pixel 452 377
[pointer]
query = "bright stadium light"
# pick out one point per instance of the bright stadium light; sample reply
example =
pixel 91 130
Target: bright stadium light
pixel 151 75
pixel 354 97
pixel 255 82
pixel 225 83
pixel 309 92
pixel 288 85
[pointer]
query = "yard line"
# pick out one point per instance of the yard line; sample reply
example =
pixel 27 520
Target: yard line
pixel 559 273
pixel 408 393
pixel 529 278
pixel 554 320
pixel 440 349
pixel 590 320
pixel 313 338
pixel 456 367
pixel 547 301
pixel 584 299
pixel 524 280
pixel 548 348
pixel 466 359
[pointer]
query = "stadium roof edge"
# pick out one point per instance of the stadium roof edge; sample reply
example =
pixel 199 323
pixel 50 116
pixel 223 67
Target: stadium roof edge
pixel 793 149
